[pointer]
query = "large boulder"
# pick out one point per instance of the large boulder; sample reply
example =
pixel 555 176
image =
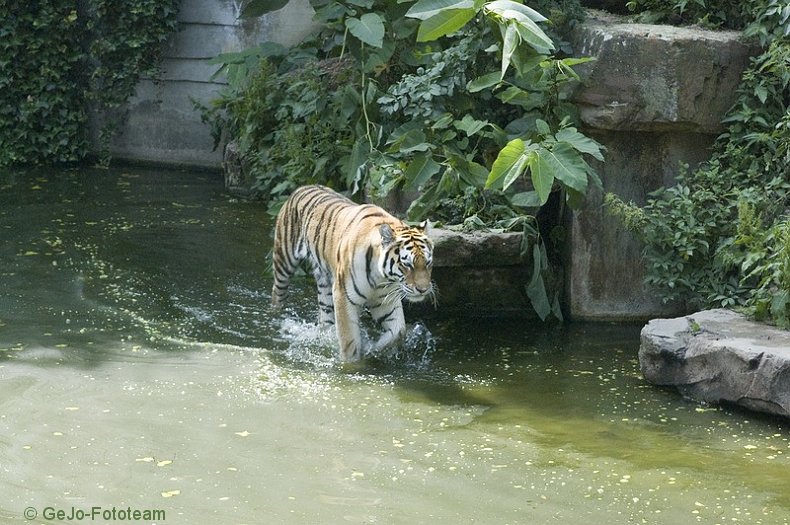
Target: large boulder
pixel 657 77
pixel 720 356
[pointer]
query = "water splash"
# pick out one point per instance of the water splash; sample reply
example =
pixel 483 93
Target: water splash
pixel 415 351
pixel 316 345
pixel 309 343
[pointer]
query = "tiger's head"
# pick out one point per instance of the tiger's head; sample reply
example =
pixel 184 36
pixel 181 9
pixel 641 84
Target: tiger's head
pixel 407 260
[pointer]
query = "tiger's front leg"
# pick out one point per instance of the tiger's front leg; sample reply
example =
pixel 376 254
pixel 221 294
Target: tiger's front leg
pixel 390 316
pixel 346 323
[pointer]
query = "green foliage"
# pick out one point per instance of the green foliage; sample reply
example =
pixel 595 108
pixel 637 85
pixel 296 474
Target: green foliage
pixel 425 97
pixel 42 109
pixel 730 14
pixel 295 127
pixel 57 60
pixel 719 236
pixel 765 269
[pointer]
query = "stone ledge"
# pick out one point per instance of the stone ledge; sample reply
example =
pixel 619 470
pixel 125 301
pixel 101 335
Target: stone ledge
pixel 656 77
pixel 478 274
pixel 720 356
pixel 454 248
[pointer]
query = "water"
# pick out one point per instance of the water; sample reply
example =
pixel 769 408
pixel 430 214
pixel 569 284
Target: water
pixel 140 370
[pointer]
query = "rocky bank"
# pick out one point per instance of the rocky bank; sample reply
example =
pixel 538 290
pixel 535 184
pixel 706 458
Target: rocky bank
pixel 720 356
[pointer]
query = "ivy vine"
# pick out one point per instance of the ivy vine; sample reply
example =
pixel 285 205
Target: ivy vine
pixel 59 60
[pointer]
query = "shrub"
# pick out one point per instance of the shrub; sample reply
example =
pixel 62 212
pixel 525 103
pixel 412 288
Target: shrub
pixel 729 14
pixel 42 106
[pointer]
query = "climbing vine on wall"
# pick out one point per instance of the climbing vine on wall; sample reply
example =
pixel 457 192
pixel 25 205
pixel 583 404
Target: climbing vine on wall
pixel 59 58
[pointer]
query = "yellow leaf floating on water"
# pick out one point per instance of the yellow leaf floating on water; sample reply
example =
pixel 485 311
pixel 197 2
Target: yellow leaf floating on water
pixel 29 253
pixel 242 434
pixel 146 460
pixel 164 463
pixel 170 493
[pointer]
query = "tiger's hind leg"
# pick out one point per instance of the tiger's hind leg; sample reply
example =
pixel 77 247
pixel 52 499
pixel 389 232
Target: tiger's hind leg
pixel 326 304
pixel 285 261
pixel 282 279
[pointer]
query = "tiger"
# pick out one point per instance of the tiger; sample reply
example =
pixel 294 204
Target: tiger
pixel 362 258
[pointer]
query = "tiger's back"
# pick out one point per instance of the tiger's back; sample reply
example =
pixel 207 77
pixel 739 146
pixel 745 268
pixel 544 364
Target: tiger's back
pixel 360 256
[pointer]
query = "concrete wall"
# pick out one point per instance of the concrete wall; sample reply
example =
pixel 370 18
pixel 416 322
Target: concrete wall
pixel 160 124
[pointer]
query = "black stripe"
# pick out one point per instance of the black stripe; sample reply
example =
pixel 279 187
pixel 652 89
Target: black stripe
pixel 348 297
pixel 368 264
pixel 391 265
pixel 332 227
pixel 362 209
pixel 356 288
pixel 386 317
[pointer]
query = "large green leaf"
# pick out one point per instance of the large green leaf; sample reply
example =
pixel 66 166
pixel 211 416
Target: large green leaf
pixel 420 170
pixel 526 199
pixel 369 28
pixel 580 142
pixel 425 9
pixel 528 30
pixel 444 23
pixel 542 175
pixel 470 173
pixel 509 164
pixel 534 36
pixel 355 163
pixel 518 97
pixel 501 6
pixel 410 141
pixel 256 8
pixel 484 82
pixel 566 164
pixel 510 42
pixel 470 125
pixel 536 289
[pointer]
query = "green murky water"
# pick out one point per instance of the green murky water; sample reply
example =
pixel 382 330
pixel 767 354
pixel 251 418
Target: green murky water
pixel 141 371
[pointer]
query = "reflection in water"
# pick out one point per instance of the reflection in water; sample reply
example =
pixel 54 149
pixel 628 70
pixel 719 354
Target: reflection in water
pixel 141 368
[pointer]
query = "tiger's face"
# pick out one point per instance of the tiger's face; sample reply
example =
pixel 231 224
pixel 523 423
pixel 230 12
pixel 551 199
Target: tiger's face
pixel 407 262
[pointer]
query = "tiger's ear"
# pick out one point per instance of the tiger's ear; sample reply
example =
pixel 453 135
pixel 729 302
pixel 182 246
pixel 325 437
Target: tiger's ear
pixel 423 226
pixel 387 235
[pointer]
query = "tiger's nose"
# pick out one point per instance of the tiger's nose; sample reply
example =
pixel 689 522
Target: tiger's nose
pixel 422 288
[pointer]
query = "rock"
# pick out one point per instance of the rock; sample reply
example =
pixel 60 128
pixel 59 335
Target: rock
pixel 720 356
pixel 654 97
pixel 478 275
pixel 656 77
pixel 455 248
